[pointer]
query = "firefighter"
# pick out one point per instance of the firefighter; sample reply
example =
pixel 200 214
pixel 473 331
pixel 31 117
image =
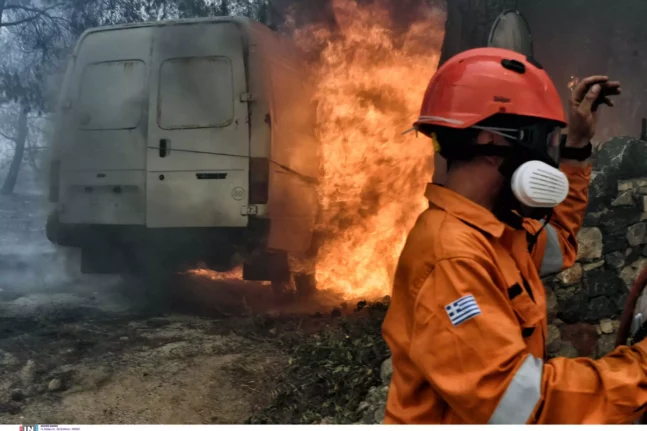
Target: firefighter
pixel 467 324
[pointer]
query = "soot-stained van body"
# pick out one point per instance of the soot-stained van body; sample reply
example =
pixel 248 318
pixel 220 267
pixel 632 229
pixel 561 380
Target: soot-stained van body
pixel 185 141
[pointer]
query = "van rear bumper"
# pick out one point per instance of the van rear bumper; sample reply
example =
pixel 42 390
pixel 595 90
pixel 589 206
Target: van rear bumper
pixel 185 245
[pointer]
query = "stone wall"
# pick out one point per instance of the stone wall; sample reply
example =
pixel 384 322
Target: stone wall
pixel 585 301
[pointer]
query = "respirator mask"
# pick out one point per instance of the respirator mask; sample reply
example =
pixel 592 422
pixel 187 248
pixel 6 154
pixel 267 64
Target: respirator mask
pixel 531 169
pixel 534 185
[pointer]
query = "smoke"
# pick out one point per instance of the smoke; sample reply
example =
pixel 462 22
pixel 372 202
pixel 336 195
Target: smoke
pixel 300 14
pixel 28 262
pixel 601 38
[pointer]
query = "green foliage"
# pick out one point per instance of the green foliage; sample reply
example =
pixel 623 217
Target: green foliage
pixel 331 372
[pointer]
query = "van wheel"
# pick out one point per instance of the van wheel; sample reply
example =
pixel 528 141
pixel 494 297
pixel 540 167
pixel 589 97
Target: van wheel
pixel 294 284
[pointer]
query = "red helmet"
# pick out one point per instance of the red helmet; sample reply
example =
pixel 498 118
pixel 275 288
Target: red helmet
pixel 477 84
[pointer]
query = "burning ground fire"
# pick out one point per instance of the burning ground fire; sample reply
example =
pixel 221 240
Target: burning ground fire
pixel 369 86
pixel 234 274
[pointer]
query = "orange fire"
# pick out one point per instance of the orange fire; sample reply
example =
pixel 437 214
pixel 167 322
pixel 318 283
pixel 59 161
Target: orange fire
pixel 234 274
pixel 370 83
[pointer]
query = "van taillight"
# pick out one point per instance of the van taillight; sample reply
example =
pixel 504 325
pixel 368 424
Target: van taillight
pixel 54 178
pixel 259 180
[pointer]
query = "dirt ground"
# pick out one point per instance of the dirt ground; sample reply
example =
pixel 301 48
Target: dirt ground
pixel 95 349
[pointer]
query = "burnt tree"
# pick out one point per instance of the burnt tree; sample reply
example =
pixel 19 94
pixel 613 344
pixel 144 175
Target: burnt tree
pixel 19 150
pixel 468 24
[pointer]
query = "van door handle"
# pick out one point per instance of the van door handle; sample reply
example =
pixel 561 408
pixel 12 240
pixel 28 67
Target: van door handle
pixel 163 147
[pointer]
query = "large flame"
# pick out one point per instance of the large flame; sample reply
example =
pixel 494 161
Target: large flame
pixel 370 83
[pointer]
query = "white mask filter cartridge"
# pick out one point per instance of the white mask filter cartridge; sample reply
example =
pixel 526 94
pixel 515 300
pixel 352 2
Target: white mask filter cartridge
pixel 538 185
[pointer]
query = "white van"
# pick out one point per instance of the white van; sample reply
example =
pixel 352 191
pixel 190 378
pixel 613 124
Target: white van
pixel 186 141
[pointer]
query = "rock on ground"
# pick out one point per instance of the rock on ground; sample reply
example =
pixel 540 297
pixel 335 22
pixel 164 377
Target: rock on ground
pixel 386 371
pixel 374 405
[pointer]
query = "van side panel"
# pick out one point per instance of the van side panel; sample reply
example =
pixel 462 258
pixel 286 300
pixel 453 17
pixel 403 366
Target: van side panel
pixel 260 86
pixel 102 139
pixel 294 151
pixel 198 156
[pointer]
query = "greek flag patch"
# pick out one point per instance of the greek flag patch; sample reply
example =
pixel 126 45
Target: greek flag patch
pixel 462 310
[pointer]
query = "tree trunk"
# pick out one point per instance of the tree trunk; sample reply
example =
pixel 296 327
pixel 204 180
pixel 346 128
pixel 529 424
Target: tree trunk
pixel 21 139
pixel 468 24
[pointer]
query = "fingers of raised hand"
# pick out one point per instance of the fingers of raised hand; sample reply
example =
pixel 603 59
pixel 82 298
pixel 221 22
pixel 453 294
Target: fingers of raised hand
pixel 585 85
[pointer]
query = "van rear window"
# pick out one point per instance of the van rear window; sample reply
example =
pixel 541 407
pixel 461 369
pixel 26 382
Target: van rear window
pixel 111 95
pixel 195 92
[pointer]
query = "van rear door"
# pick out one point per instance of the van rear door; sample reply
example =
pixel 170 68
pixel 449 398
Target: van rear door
pixel 102 129
pixel 198 155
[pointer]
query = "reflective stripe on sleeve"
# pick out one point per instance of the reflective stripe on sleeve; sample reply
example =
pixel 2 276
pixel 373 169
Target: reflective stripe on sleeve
pixel 553 260
pixel 522 395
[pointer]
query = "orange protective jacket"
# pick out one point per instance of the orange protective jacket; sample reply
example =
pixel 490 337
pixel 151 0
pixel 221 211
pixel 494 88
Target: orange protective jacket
pixel 467 324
